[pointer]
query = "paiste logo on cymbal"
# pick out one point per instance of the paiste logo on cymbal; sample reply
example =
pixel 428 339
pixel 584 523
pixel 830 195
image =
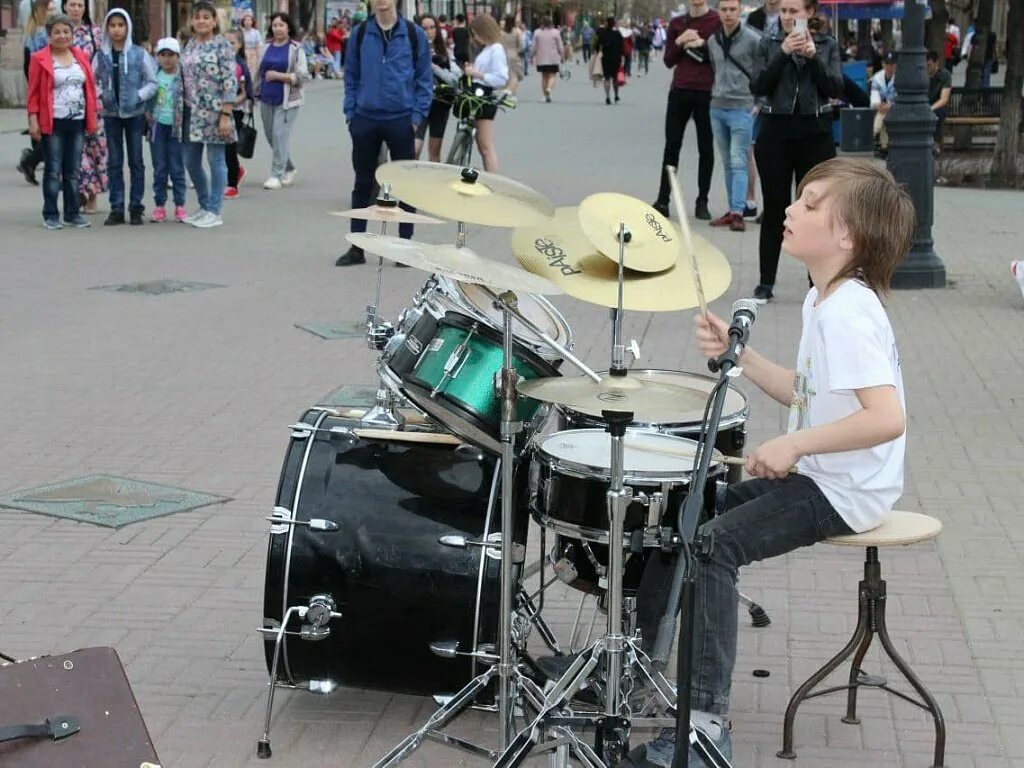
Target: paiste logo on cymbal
pixel 659 231
pixel 555 256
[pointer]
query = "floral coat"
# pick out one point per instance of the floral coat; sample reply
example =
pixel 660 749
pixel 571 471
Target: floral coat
pixel 208 69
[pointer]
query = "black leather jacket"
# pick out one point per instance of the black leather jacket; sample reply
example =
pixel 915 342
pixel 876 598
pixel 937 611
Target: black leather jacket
pixel 783 81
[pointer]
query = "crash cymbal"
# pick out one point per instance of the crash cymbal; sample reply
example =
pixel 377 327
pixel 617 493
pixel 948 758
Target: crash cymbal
pixel 559 251
pixel 460 264
pixel 652 241
pixel 388 214
pixel 465 194
pixel 648 400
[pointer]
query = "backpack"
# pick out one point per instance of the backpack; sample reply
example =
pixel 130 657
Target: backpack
pixel 414 41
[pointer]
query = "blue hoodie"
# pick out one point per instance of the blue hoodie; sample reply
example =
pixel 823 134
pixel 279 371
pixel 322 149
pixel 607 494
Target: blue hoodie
pixel 137 75
pixel 382 82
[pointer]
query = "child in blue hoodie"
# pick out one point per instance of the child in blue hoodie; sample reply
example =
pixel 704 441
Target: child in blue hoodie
pixel 125 82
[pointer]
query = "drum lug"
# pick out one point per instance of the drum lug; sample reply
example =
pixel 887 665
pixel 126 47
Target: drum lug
pixel 491 547
pixel 449 649
pixel 281 519
pixel 378 334
pixel 301 430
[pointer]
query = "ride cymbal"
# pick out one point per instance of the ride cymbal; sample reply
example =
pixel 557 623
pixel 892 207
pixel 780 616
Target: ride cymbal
pixel 559 251
pixel 648 400
pixel 652 243
pixel 465 194
pixel 386 213
pixel 460 264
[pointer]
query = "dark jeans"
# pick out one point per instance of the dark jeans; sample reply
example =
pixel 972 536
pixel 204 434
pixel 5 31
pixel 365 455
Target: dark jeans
pixel 367 138
pixel 682 105
pixel 231 150
pixel 779 162
pixel 643 62
pixel 586 52
pixel 763 519
pixel 168 160
pixel 62 155
pixel 940 117
pixel 125 132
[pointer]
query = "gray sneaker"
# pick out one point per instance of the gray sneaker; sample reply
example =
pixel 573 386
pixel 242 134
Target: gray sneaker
pixel 660 752
pixel 208 220
pixel 52 224
pixel 194 216
pixel 79 222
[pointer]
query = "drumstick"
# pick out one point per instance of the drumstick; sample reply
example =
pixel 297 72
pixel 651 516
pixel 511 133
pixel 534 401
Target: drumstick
pixel 684 228
pixel 437 438
pixel 737 461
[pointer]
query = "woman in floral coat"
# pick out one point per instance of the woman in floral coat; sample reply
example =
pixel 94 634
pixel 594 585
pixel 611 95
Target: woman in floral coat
pixel 92 179
pixel 208 70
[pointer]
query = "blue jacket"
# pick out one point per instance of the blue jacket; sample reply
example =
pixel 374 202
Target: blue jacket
pixel 137 81
pixel 382 82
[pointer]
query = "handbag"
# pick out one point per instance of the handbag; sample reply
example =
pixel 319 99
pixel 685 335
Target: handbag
pixel 247 136
pixel 595 68
pixel 620 78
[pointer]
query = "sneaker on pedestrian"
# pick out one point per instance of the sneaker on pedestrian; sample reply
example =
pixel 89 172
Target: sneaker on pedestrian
pixel 78 222
pixel 722 221
pixel 114 218
pixel 750 211
pixel 737 224
pixel 208 220
pixel 194 216
pixel 763 294
pixel 52 224
pixel 701 211
pixel 289 177
pixel 135 218
pixel 272 183
pixel 242 173
pixel 1017 270
pixel 180 214
pixel 661 751
pixel 660 207
pixel 159 215
pixel 230 193
pixel 354 255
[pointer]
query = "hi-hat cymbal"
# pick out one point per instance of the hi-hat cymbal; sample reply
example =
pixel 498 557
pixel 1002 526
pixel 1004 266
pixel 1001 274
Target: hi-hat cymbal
pixel 559 251
pixel 465 194
pixel 648 400
pixel 456 263
pixel 388 214
pixel 652 242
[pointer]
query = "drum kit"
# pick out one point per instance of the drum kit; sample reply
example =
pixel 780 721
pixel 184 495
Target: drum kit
pixel 397 553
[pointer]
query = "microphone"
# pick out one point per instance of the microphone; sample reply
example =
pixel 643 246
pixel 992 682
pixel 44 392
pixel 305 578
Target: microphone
pixel 744 312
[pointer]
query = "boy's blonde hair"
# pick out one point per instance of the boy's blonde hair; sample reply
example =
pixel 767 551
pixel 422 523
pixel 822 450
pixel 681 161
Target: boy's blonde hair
pixel 878 214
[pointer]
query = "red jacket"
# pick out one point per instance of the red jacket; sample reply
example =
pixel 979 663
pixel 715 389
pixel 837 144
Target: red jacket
pixel 40 89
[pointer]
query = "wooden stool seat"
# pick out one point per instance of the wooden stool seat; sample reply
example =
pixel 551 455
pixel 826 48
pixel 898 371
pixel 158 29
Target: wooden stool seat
pixel 897 530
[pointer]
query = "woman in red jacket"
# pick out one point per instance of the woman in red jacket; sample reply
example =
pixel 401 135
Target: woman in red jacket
pixel 61 110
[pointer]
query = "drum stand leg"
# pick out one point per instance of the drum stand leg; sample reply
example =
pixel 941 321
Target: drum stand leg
pixel 263 750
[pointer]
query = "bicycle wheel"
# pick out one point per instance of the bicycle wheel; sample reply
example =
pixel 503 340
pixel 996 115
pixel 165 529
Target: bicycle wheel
pixel 460 147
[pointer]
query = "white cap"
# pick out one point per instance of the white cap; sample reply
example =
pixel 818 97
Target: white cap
pixel 168 44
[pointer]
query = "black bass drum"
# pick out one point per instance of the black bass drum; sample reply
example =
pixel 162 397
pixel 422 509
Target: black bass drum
pixel 397 587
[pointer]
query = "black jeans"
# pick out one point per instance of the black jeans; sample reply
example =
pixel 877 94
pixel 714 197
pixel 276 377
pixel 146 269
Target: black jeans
pixel 682 105
pixel 779 162
pixel 62 154
pixel 367 138
pixel 763 518
pixel 231 150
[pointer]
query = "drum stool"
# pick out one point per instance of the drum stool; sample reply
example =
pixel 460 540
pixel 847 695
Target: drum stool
pixel 898 529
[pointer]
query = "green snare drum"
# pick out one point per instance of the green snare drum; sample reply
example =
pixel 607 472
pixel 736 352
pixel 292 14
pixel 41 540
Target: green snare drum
pixel 454 379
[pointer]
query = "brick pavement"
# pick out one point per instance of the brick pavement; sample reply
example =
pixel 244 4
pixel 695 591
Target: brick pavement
pixel 195 390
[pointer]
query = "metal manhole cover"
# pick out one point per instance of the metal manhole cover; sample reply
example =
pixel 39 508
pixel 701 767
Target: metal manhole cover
pixel 108 500
pixel 157 287
pixel 343 329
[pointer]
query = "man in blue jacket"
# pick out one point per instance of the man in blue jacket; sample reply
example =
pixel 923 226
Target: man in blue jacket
pixel 389 85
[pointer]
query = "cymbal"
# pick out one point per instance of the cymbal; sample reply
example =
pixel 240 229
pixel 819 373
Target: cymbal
pixel 465 194
pixel 559 251
pixel 648 400
pixel 460 264
pixel 653 242
pixel 388 214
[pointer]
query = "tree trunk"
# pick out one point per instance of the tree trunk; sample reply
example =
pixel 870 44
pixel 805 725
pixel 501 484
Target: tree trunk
pixel 982 24
pixel 1008 143
pixel 935 32
pixel 886 29
pixel 864 39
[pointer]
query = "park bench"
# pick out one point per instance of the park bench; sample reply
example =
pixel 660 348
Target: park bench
pixel 970 108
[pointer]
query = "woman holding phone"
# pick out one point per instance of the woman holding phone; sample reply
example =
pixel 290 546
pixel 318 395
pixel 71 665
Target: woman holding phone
pixel 797 74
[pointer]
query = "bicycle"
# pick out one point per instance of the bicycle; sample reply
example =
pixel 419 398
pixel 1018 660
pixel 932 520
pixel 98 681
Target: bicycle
pixel 469 103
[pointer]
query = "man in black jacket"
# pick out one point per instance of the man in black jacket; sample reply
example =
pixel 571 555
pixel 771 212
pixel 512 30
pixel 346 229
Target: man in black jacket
pixel 765 18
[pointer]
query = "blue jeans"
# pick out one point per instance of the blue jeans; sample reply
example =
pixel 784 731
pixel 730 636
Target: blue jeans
pixel 168 159
pixel 986 72
pixel 125 132
pixel 367 137
pixel 734 130
pixel 209 191
pixel 62 155
pixel 763 518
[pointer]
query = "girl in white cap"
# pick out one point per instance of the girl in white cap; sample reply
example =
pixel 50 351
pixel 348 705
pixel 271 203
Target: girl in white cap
pixel 165 132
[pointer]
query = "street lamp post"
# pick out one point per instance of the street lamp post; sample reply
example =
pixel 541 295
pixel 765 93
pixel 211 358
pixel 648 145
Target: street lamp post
pixel 911 124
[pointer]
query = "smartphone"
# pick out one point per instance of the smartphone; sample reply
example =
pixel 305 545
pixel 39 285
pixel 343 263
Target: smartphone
pixel 800 26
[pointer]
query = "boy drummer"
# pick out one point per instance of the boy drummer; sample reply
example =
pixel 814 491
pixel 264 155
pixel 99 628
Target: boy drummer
pixel 850 226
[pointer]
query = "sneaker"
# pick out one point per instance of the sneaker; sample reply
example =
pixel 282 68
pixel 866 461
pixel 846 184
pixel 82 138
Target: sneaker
pixel 135 218
pixel 750 212
pixel 159 214
pixel 737 224
pixel 230 193
pixel 272 183
pixel 763 294
pixel 701 211
pixel 208 220
pixel 194 216
pixel 662 750
pixel 242 173
pixel 180 213
pixel 1017 270
pixel 354 255
pixel 289 177
pixel 114 219
pixel 52 224
pixel 79 222
pixel 722 221
pixel 661 208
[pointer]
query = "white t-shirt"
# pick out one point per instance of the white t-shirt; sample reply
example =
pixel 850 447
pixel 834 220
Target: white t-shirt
pixel 847 344
pixel 493 63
